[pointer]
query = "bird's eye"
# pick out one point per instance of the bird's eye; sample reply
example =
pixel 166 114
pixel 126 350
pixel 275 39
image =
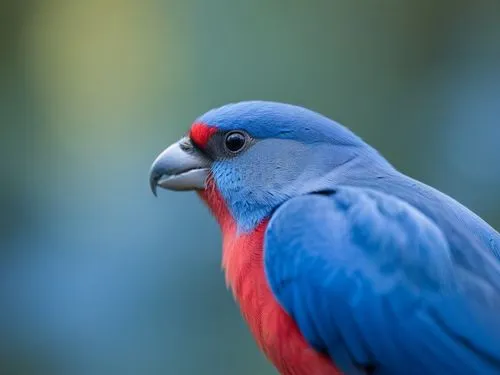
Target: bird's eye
pixel 235 141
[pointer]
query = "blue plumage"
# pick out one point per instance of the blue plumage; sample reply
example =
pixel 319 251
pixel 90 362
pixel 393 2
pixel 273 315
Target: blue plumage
pixel 373 282
pixel 279 120
pixel 383 273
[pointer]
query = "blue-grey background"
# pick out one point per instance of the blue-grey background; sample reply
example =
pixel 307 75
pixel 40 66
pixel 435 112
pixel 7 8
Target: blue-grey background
pixel 96 276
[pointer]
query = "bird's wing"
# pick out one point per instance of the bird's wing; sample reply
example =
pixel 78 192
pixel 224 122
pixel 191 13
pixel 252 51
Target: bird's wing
pixel 370 280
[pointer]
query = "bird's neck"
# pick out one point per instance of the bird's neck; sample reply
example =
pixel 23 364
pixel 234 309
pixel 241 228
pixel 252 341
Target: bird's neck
pixel 274 330
pixel 215 202
pixel 242 256
pixel 242 261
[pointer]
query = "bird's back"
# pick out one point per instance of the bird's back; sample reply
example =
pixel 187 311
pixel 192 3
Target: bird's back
pixel 474 244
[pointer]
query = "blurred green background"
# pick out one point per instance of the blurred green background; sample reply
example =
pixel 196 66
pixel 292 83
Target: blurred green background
pixel 96 276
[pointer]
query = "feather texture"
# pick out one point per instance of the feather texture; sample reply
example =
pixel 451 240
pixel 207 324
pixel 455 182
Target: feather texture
pixel 373 282
pixel 274 330
pixel 360 265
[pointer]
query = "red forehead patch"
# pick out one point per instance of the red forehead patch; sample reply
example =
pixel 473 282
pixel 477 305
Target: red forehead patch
pixel 200 133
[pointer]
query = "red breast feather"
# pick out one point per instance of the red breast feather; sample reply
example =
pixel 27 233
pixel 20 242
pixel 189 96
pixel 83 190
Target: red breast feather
pixel 274 330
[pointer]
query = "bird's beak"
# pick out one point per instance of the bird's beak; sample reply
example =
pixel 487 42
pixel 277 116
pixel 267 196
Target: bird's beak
pixel 180 167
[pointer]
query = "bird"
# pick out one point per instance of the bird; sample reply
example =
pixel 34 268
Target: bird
pixel 340 263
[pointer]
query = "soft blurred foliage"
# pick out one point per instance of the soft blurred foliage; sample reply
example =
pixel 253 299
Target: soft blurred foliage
pixel 98 277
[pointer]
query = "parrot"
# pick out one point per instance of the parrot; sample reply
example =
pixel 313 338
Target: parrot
pixel 340 263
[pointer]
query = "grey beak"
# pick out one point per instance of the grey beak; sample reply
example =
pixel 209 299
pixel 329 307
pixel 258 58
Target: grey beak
pixel 180 167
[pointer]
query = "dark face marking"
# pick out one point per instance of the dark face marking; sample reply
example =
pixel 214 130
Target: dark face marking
pixel 219 144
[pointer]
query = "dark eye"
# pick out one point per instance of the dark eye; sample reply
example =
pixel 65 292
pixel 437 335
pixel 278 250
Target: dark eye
pixel 235 141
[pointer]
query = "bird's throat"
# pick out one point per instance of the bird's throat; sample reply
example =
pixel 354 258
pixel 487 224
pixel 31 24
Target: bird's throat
pixel 215 202
pixel 274 330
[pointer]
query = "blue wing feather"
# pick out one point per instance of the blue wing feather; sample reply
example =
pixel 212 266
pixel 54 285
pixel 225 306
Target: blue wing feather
pixel 372 281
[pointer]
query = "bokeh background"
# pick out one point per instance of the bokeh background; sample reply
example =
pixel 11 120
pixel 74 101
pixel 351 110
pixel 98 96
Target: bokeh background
pixel 96 276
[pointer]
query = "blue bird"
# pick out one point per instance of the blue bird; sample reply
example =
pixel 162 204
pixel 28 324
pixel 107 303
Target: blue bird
pixel 339 262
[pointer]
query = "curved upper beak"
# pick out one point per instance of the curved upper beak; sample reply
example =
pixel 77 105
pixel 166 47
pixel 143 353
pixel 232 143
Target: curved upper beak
pixel 180 167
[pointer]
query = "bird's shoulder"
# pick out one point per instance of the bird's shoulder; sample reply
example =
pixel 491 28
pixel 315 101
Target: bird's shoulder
pixel 370 280
pixel 358 227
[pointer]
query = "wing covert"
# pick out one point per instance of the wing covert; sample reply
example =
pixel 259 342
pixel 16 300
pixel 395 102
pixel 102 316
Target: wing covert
pixel 370 280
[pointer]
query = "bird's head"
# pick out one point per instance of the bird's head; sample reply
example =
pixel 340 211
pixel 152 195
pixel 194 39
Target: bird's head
pixel 245 159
